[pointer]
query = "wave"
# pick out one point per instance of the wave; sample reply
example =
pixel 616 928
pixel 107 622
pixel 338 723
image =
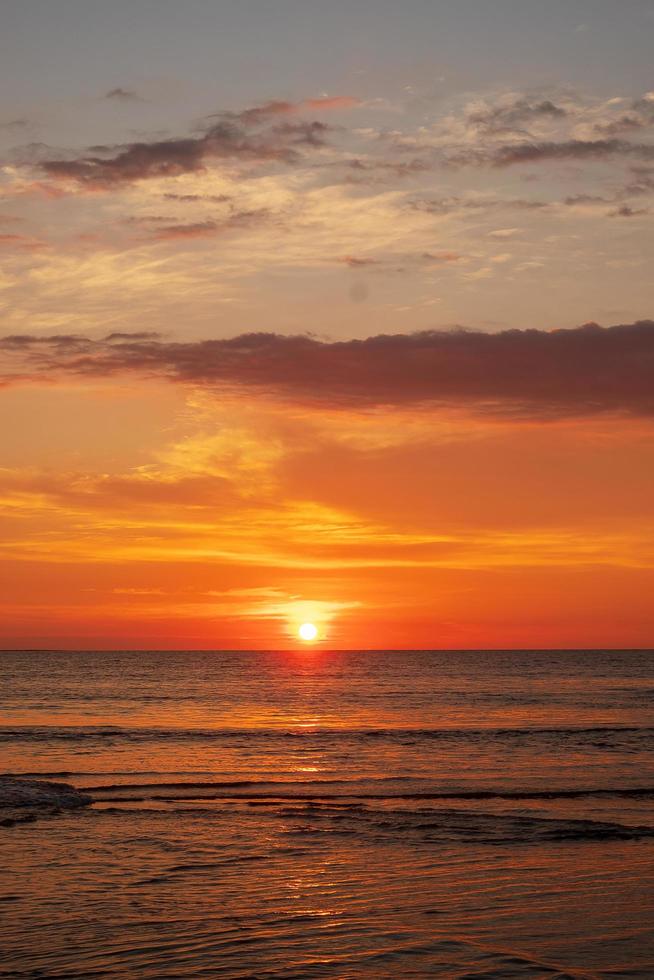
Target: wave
pixel 360 789
pixel 305 820
pixel 39 733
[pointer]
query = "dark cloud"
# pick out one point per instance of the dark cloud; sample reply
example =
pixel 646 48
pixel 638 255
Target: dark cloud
pixel 211 227
pixel 515 115
pixel 140 335
pixel 539 151
pixel 106 167
pixel 16 124
pixel 122 95
pixel 625 211
pixel 371 171
pixel 148 219
pixel 450 205
pixel 164 158
pixel 522 373
pixel 303 133
pixel 621 208
pixel 197 229
pixel 259 133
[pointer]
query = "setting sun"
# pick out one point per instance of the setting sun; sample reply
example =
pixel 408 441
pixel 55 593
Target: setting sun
pixel 307 631
pixel 326 511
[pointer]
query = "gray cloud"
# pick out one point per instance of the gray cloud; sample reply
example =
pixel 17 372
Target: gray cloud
pixel 450 205
pixel 639 116
pixel 642 181
pixel 122 95
pixel 625 211
pixel 514 116
pixel 523 373
pixel 235 136
pixel 16 124
pixel 511 154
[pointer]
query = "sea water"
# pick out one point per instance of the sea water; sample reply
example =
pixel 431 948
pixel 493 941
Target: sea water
pixel 331 814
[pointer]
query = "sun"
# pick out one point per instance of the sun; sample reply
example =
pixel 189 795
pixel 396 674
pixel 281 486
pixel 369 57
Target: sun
pixel 308 632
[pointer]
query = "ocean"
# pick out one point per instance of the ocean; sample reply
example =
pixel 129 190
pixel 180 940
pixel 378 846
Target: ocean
pixel 317 813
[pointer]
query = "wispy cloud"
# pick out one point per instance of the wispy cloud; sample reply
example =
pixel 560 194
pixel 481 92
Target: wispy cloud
pixel 210 227
pixel 122 95
pixel 538 152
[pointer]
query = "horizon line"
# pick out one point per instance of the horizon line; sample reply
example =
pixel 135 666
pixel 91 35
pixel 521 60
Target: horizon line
pixel 308 649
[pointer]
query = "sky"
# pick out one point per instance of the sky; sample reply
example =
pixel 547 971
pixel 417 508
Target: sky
pixel 318 312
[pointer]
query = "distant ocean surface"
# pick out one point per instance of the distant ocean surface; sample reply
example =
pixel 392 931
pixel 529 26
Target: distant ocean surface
pixel 332 814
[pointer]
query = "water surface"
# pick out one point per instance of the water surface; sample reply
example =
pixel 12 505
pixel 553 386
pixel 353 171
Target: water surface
pixel 329 814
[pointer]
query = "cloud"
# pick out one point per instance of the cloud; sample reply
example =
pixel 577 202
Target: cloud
pixel 508 128
pixel 261 113
pixel 373 171
pixel 398 263
pixel 247 136
pixel 452 205
pixel 303 133
pixel 34 153
pixel 642 181
pixel 504 233
pixel 122 95
pixel 439 258
pixel 514 114
pixel 639 116
pixel 16 124
pixel 357 262
pixel 528 373
pixel 585 200
pixel 166 158
pixel 625 123
pixel 624 211
pixel 21 242
pixel 209 228
pixel 190 198
pixel 197 229
pixel 502 131
pixel 142 335
pixel 333 102
pixel 537 152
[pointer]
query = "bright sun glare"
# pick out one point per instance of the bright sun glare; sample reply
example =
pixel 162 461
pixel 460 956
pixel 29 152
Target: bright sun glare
pixel 307 631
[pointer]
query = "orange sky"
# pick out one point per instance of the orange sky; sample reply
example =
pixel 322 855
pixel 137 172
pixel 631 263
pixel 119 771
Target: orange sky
pixel 140 513
pixel 341 323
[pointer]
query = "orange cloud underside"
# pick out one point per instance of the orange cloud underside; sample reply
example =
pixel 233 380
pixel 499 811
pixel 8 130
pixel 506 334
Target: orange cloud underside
pixel 151 516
